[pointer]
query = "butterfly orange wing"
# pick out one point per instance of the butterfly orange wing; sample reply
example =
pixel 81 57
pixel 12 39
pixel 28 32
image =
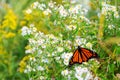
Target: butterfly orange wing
pixel 76 58
pixel 88 54
pixel 82 55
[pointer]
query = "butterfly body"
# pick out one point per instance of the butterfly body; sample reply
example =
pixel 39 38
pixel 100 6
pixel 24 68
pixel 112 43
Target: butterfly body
pixel 82 55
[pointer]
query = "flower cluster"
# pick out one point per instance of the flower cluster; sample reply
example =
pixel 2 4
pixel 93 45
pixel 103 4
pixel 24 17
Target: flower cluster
pixel 49 53
pixel 28 31
pixel 80 73
pixel 74 11
pixel 70 27
pixel 109 10
pixel 9 25
pixel 83 74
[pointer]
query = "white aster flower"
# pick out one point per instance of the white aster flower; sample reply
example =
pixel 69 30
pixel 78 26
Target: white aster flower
pixel 43 46
pixel 111 26
pixel 116 15
pixel 32 41
pixel 84 11
pixel 80 41
pixel 32 59
pixel 25 71
pixel 78 69
pixel 78 6
pixel 33 70
pixel 65 72
pixel 32 25
pixel 71 27
pixel 34 29
pixel 40 41
pixel 45 60
pixel 62 11
pixel 66 61
pixel 51 36
pixel 41 6
pixel 60 49
pixel 51 4
pixel 35 4
pixel 39 52
pixel 107 9
pixel 28 51
pixel 47 12
pixel 73 1
pixel 83 74
pixel 89 45
pixel 85 19
pixel 28 11
pixel 28 68
pixel 40 68
pixel 42 78
pixel 73 10
pixel 57 58
pixel 26 31
pixel 78 76
pixel 66 57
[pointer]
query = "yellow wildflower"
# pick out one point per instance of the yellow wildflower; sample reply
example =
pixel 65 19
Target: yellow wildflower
pixel 10 20
pixel 26 58
pixel 22 66
pixel 22 23
pixel 27 47
pixel 22 63
pixel 28 17
pixel 21 70
pixel 9 35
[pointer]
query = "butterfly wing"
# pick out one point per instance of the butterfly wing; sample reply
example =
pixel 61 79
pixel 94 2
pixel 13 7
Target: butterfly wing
pixel 76 58
pixel 88 54
pixel 82 55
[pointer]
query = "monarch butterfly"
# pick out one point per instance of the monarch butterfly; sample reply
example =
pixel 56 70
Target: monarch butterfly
pixel 82 55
